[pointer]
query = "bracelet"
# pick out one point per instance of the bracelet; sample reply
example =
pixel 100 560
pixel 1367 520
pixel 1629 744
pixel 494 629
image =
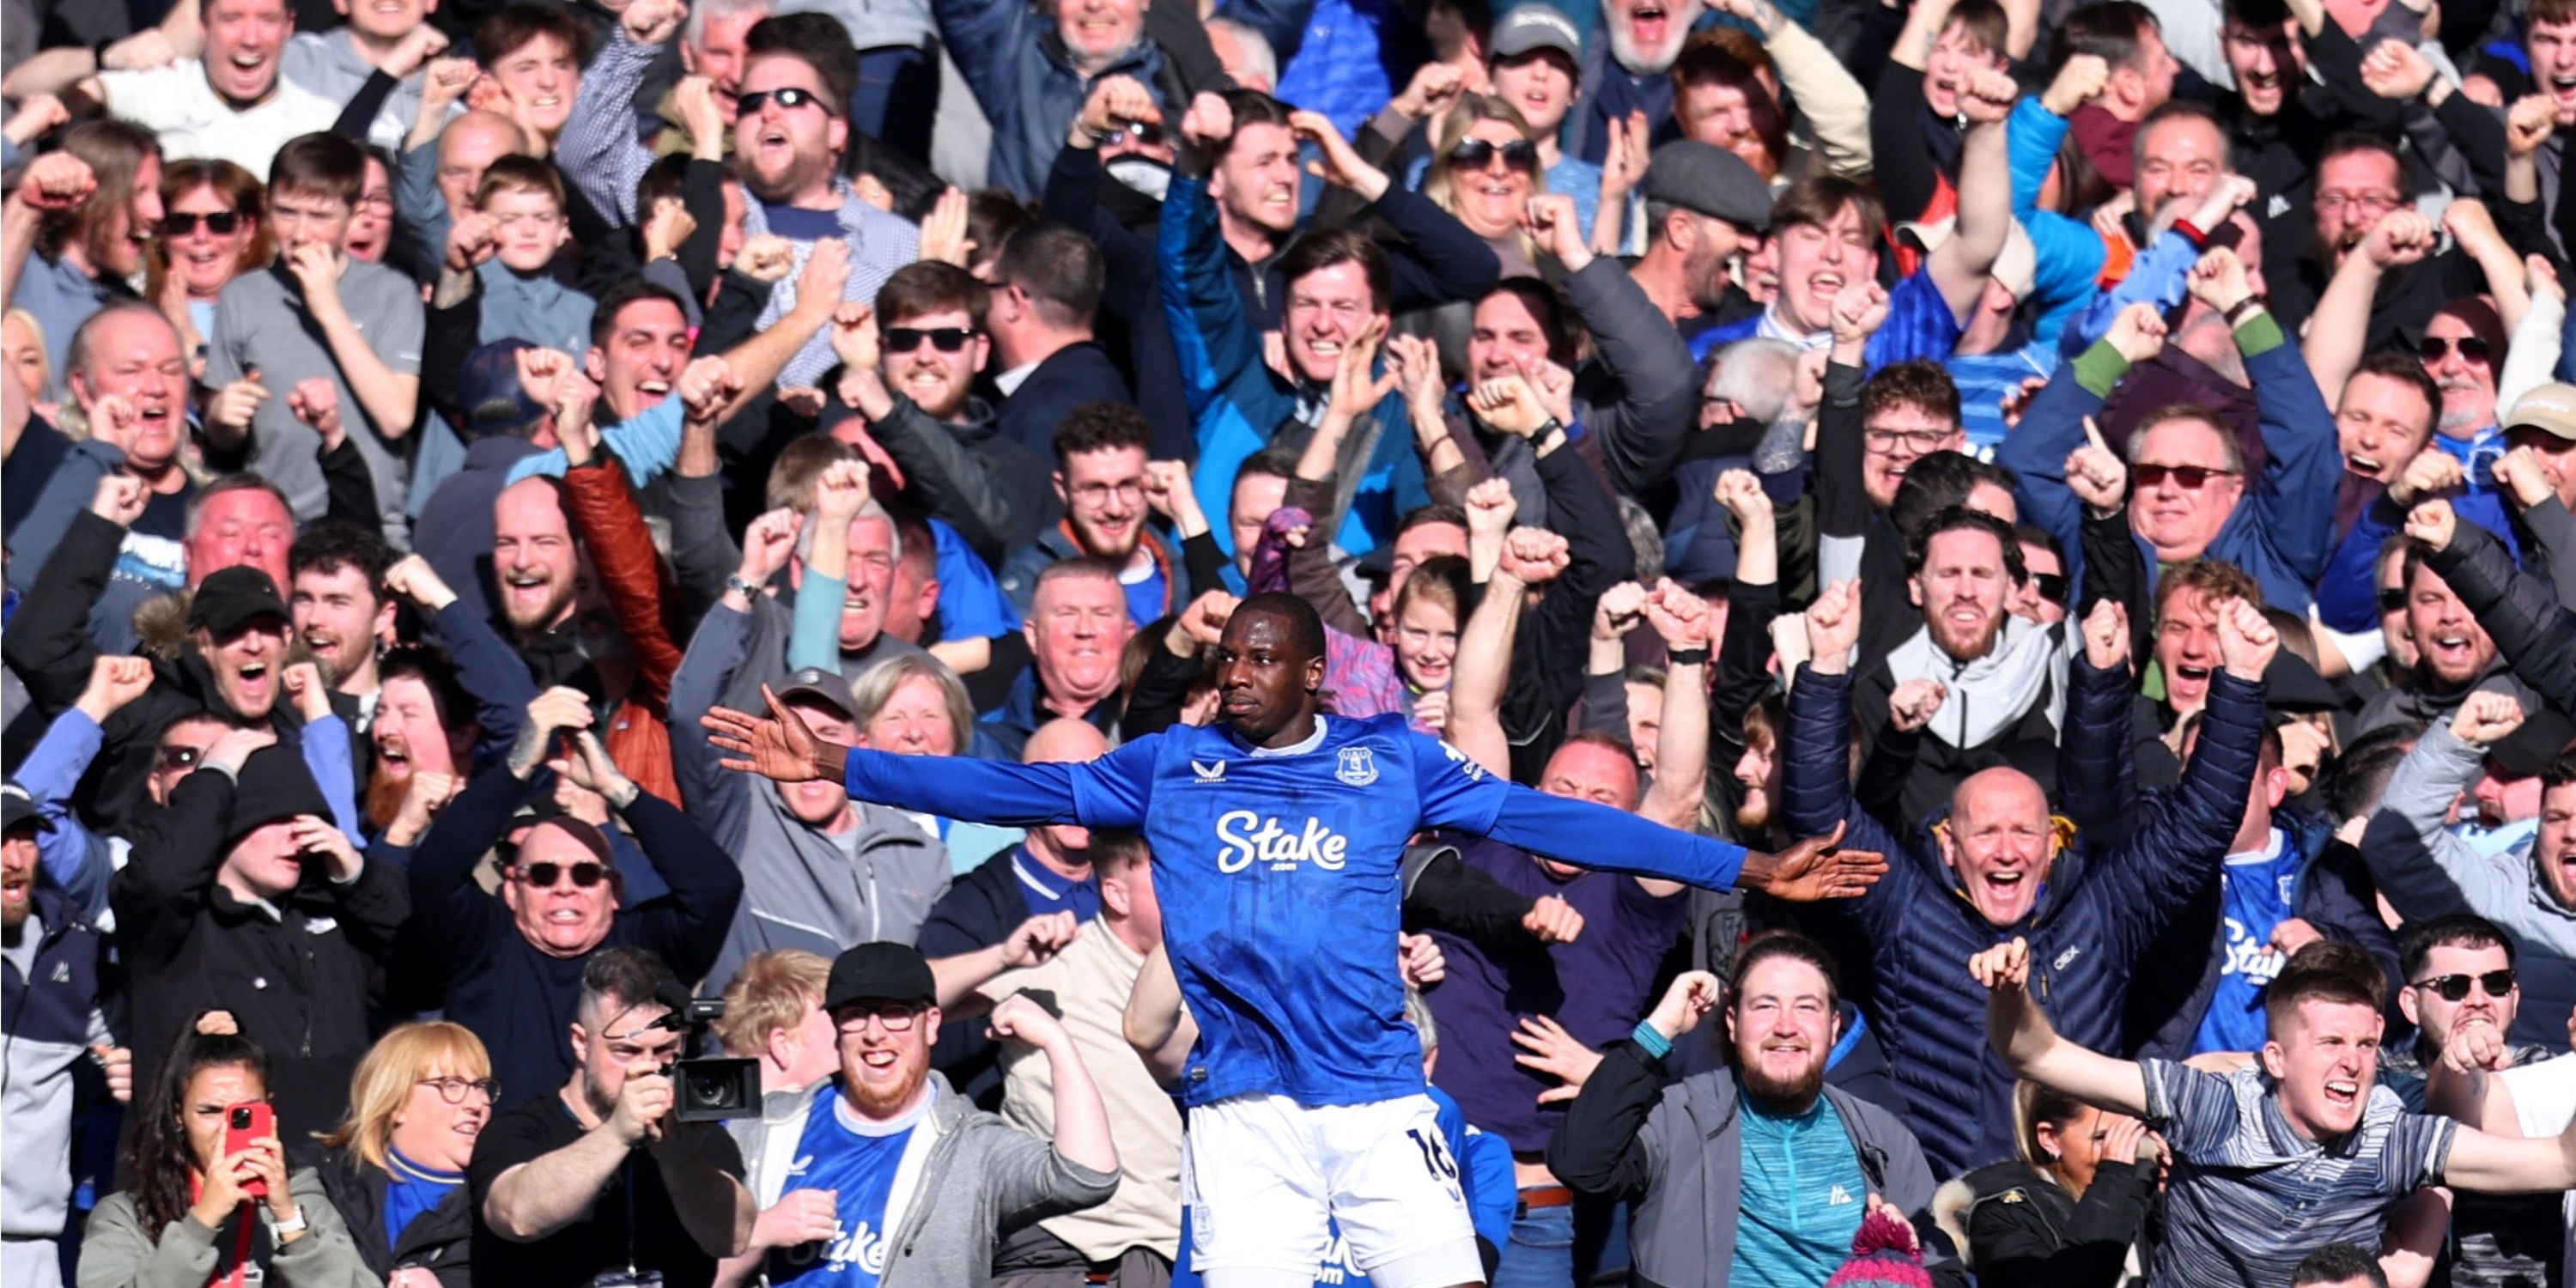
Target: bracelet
pixel 1686 656
pixel 291 1224
pixel 1549 437
pixel 2236 312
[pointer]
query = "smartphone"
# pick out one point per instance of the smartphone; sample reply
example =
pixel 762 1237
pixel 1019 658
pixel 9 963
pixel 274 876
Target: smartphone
pixel 244 1123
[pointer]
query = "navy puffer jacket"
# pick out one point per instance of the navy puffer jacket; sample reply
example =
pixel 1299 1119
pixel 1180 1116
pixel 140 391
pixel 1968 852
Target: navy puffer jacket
pixel 2094 920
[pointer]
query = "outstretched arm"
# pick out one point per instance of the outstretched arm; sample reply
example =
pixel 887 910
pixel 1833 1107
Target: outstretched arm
pixel 2031 1047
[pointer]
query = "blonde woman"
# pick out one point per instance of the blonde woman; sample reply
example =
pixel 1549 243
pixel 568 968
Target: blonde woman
pixel 1485 172
pixel 396 1166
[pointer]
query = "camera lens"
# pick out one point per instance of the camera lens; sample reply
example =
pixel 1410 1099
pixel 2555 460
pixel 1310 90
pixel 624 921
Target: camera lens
pixel 713 1092
pixel 241 1120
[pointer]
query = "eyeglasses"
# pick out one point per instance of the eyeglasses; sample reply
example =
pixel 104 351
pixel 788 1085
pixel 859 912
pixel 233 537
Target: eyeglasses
pixel 452 1090
pixel 1475 154
pixel 222 223
pixel 1921 440
pixel 896 1017
pixel 2434 348
pixel 946 339
pixel 1099 493
pixel 181 756
pixel 544 875
pixel 2453 988
pixel 2365 202
pixel 2051 586
pixel 2190 478
pixel 786 96
pixel 2392 598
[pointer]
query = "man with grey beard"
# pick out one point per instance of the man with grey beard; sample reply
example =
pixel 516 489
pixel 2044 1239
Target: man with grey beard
pixel 1630 71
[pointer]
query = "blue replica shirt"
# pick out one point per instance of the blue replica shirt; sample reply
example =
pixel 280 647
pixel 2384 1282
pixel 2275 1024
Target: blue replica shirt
pixel 1278 872
pixel 2255 891
pixel 857 1162
pixel 1804 1194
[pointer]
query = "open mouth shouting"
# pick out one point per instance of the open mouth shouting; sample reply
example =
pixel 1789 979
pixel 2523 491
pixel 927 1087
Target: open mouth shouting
pixel 1650 25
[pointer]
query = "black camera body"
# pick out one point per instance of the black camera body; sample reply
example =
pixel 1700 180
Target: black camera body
pixel 708 1088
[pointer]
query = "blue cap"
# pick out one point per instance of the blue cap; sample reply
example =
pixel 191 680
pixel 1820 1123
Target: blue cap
pixel 488 391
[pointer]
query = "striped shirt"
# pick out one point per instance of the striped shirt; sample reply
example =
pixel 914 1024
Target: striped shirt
pixel 2250 1196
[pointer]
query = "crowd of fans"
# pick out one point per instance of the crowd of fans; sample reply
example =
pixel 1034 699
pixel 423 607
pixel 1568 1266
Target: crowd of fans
pixel 2066 502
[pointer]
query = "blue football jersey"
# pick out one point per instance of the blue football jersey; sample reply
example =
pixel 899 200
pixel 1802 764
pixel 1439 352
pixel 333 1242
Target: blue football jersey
pixel 1279 874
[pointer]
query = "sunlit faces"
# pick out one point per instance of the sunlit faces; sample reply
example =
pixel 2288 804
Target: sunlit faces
pixel 1588 771
pixel 2438 1017
pixel 1894 438
pixel 2467 384
pixel 339 617
pixel 1327 309
pixel 2179 158
pixel 937 379
pixel 371 222
pixel 1957 56
pixel 2450 645
pixel 2033 600
pixel 719 51
pixel 2557 457
pixel 870 584
pixel 133 354
pixel 386 20
pixel 1426 642
pixel 1256 496
pixel 2150 72
pixel 529 225
pixel 466 148
pixel 729 241
pixel 533 556
pixel 885 1053
pixel 1256 180
pixel 2186 648
pixel 2325 1055
pixel 1077 629
pixel 1782 1022
pixel 411 734
pixel 429 1130
pixel 1962 589
pixel 1104 498
pixel 2353 190
pixel 787 152
pixel 297 219
pixel 245 663
pixel 1099 32
pixel 1721 114
pixel 1540 83
pixel 2552 47
pixel 2000 842
pixel 2503 799
pixel 182 746
pixel 611 1037
pixel 2554 853
pixel 2396 610
pixel 542 77
pixel 2185 484
pixel 22 351
pixel 203 1106
pixel 2265 62
pixel 1412 546
pixel 1488 196
pixel 1646 36
pixel 241 526
pixel 1505 338
pixel 565 918
pixel 267 861
pixel 1645 722
pixel 647 348
pixel 2380 424
pixel 128 246
pixel 243 41
pixel 1757 784
pixel 820 802
pixel 1817 262
pixel 914 720
pixel 201 257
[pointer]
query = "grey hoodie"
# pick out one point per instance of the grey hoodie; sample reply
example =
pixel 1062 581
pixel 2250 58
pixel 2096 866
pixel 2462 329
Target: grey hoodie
pixel 987 1176
pixel 802 887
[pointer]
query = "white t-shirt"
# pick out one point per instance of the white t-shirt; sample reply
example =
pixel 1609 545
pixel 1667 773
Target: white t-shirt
pixel 2544 1099
pixel 194 122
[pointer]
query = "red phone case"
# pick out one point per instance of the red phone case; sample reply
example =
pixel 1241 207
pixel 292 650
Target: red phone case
pixel 263 1124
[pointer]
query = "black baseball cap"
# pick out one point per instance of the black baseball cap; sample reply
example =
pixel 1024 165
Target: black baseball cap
pixel 880 971
pixel 828 685
pixel 231 597
pixel 16 807
pixel 2527 751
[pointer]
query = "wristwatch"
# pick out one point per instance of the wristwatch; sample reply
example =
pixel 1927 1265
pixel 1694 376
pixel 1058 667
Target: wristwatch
pixel 749 590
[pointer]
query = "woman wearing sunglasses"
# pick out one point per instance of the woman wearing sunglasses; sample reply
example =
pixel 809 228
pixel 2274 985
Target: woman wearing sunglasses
pixel 396 1166
pixel 1485 173
pixel 210 234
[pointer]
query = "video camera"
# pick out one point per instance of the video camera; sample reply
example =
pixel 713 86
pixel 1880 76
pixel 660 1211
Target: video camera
pixel 711 1088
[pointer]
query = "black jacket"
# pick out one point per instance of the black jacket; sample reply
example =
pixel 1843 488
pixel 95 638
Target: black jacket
pixel 1069 377
pixel 438 1240
pixel 2019 1229
pixel 296 979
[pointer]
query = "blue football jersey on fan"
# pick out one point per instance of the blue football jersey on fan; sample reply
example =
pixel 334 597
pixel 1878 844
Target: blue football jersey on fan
pixel 1279 874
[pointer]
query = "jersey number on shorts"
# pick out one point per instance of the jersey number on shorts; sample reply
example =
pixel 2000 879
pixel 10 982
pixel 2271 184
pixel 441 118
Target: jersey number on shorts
pixel 1435 1154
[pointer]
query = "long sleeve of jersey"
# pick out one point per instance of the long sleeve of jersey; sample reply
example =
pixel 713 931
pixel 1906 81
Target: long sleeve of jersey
pixel 1108 792
pixel 1611 840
